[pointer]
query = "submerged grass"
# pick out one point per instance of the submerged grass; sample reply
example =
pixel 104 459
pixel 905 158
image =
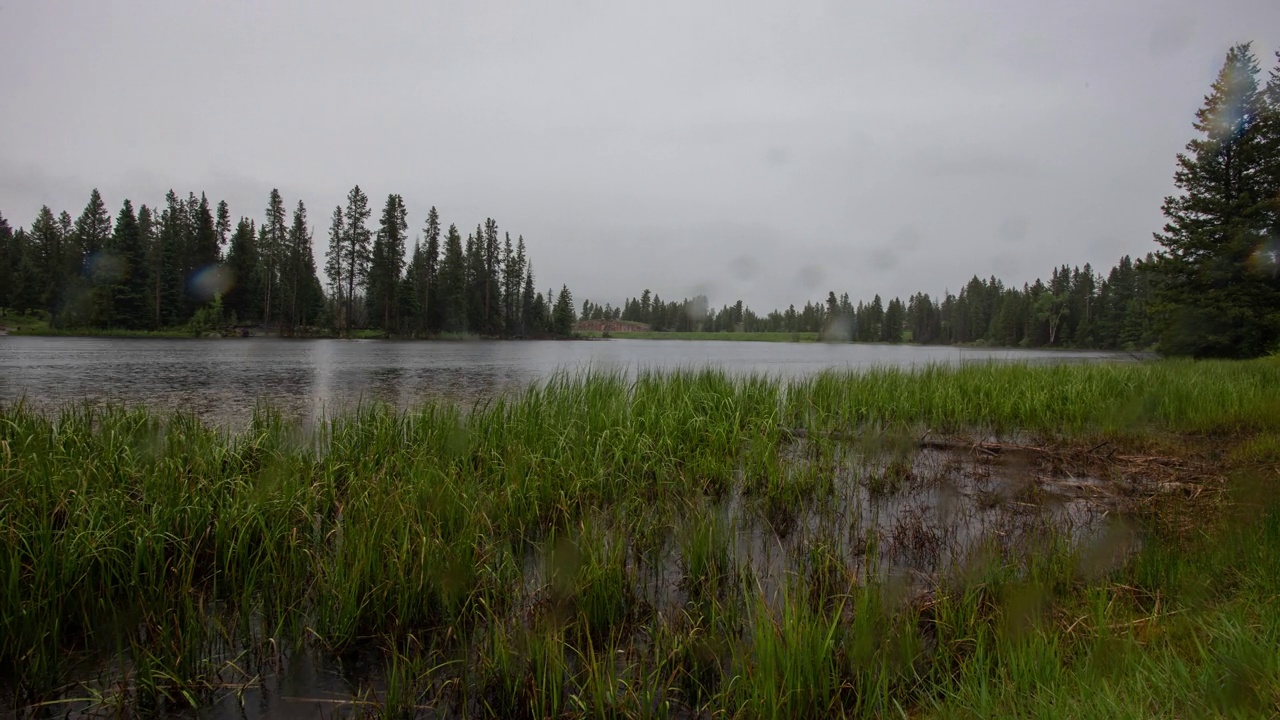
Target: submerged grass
pixel 570 552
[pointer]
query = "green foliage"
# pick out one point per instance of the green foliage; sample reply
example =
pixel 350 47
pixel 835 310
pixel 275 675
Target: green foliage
pixel 453 284
pixel 245 296
pixel 9 257
pixel 563 317
pixel 209 318
pixel 1219 291
pixel 386 265
pixel 505 552
pixel 127 295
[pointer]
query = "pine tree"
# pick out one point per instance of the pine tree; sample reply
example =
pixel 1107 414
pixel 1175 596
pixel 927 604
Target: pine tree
pixel 387 263
pixel 511 277
pixel 1215 300
pixel 148 230
pixel 356 238
pixel 49 255
pixel 93 227
pixel 206 250
pixel 1269 254
pixel 492 293
pixel 90 270
pixel 539 322
pixel 300 287
pixel 245 294
pixel 429 285
pixel 170 271
pixel 333 265
pixel 477 283
pixel 27 292
pixel 273 246
pixel 127 294
pixel 409 299
pixel 9 257
pixel 528 313
pixel 223 225
pixel 453 284
pixel 894 320
pixel 562 317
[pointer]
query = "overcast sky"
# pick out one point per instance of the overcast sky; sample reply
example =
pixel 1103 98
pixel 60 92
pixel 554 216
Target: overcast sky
pixel 763 150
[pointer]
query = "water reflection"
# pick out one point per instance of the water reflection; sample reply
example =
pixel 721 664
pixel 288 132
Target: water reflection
pixel 222 380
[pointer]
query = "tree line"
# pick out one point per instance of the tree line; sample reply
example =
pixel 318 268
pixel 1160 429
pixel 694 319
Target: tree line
pixel 1212 289
pixel 1076 308
pixel 183 264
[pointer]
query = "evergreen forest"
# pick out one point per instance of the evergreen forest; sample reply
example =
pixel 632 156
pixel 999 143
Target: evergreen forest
pixel 184 264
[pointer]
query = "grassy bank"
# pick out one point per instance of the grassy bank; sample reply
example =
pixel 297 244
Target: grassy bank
pixel 688 543
pixel 23 324
pixel 726 336
pixel 38 325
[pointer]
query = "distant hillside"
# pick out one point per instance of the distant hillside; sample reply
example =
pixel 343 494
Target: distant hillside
pixel 610 326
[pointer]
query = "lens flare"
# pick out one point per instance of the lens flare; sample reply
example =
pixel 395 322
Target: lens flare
pixel 105 268
pixel 210 281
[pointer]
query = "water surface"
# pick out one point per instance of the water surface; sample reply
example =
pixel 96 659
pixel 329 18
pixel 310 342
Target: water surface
pixel 222 379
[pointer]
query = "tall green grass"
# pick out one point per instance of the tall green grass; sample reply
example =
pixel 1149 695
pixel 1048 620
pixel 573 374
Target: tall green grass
pixel 497 556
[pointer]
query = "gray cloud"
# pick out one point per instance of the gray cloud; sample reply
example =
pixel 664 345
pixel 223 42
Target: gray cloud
pixel 770 151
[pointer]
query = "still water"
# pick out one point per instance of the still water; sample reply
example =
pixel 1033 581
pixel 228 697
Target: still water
pixel 221 380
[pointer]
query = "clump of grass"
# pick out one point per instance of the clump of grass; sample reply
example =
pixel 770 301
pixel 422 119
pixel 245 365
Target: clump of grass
pixel 706 554
pixel 192 554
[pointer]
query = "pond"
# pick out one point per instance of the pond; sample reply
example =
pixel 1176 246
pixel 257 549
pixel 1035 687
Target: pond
pixel 221 380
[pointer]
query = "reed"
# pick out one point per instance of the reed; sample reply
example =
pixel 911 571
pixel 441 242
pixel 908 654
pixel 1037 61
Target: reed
pixel 657 545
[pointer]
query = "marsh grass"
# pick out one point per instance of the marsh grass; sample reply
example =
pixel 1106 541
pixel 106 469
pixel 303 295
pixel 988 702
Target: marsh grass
pixel 666 545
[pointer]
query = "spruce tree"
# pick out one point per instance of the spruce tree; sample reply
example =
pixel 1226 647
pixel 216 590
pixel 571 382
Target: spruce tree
pixel 8 265
pixel 27 291
pixel 1269 253
pixel 93 227
pixel 97 269
pixel 386 263
pixel 223 224
pixel 511 277
pixel 148 230
pixel 453 284
pixel 1215 300
pixel 356 238
pixel 171 267
pixel 333 266
pixel 49 256
pixel 206 250
pixel 298 280
pixel 477 283
pixel 492 292
pixel 273 243
pixel 409 299
pixel 539 317
pixel 429 285
pixel 527 311
pixel 242 261
pixel 894 320
pixel 562 317
pixel 128 293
